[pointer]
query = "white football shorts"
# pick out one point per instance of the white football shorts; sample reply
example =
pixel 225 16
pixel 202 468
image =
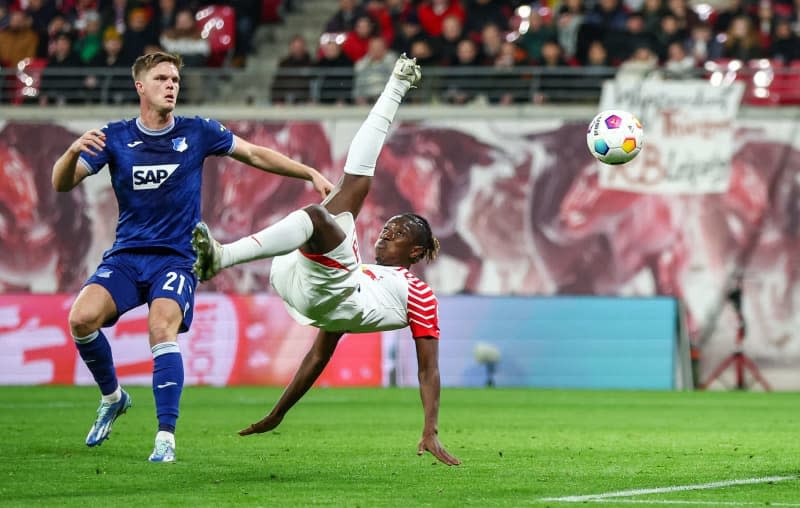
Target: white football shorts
pixel 317 288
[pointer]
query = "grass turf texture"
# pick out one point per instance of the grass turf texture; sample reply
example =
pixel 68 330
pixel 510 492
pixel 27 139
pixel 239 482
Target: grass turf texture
pixel 356 447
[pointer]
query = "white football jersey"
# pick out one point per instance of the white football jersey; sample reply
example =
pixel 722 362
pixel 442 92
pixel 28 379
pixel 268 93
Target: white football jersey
pixel 336 292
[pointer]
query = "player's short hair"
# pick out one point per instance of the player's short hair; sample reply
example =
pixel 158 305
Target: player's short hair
pixel 146 62
pixel 424 236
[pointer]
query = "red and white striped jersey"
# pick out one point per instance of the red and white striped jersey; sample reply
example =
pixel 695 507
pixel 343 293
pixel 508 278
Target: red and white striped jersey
pixel 390 298
pixel 335 292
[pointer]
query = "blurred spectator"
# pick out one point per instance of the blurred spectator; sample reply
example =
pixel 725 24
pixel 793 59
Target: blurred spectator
pixel 552 55
pixel 607 15
pixel 165 15
pixel 491 42
pixel 652 12
pixel 139 34
pixel 538 32
pixel 794 17
pixel 115 13
pixel 620 44
pixel 409 31
pixel 289 87
pixel 765 20
pixel 509 85
pixel 668 33
pixel 422 50
pixel 3 16
pixel 371 71
pixel 551 81
pixel 597 56
pixel 57 25
pixel 568 21
pixel 334 74
pixel 482 12
pixel 379 12
pixel 76 15
pixel 399 10
pixel 18 41
pixel 248 14
pixel 701 44
pixel 642 64
pixel 732 9
pixel 90 40
pixel 684 14
pixel 344 20
pixel 460 88
pixel 785 43
pixel 41 13
pixel 741 40
pixel 185 39
pixel 113 87
pixel 61 83
pixel 447 42
pixel 679 64
pixel 356 45
pixel 431 14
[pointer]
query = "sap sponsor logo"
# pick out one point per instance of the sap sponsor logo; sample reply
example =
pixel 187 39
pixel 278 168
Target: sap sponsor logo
pixel 151 177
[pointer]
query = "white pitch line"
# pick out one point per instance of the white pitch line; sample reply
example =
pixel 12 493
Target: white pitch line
pixel 664 490
pixel 692 503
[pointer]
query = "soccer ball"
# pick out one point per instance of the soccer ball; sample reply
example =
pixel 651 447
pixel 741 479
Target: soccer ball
pixel 615 137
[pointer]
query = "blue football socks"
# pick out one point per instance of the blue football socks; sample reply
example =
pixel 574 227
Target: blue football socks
pixel 96 353
pixel 167 383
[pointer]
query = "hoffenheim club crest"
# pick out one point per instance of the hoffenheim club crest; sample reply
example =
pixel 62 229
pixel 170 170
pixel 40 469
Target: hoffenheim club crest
pixel 179 144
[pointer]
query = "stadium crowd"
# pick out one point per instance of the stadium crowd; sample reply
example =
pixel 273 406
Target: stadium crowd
pixel 670 38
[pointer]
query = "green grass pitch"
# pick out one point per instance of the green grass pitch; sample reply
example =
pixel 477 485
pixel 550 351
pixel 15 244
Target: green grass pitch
pixel 357 448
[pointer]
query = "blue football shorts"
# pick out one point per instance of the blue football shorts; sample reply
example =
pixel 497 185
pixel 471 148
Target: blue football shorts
pixel 134 278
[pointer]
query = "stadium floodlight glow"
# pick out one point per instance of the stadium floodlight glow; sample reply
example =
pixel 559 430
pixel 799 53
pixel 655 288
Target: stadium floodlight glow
pixel 703 11
pixel 762 78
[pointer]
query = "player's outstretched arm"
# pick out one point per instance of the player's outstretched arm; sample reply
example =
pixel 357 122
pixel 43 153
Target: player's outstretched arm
pixel 308 372
pixel 269 160
pixel 66 171
pixel 429 389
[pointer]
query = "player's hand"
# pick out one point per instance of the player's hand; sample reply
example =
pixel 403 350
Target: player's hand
pixel 266 424
pixel 321 185
pixel 430 443
pixel 91 142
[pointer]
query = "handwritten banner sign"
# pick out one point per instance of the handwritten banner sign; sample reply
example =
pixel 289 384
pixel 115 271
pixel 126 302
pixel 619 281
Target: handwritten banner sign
pixel 688 128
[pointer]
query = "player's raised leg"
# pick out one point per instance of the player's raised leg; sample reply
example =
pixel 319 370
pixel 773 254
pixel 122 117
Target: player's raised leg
pixel 313 228
pixel 352 189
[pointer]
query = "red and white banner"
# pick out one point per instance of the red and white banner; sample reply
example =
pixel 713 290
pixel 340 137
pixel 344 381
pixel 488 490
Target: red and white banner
pixel 517 205
pixel 234 340
pixel 689 128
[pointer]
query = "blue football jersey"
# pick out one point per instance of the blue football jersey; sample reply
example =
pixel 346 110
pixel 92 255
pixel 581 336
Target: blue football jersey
pixel 157 178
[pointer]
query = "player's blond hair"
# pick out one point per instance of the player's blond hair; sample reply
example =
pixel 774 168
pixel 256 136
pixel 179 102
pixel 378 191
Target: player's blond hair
pixel 146 62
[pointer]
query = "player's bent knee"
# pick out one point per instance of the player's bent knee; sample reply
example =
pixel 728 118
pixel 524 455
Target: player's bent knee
pixel 162 331
pixel 320 217
pixel 84 321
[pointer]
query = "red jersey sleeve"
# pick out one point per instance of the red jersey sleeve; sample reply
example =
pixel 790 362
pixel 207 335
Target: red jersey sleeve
pixel 423 309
